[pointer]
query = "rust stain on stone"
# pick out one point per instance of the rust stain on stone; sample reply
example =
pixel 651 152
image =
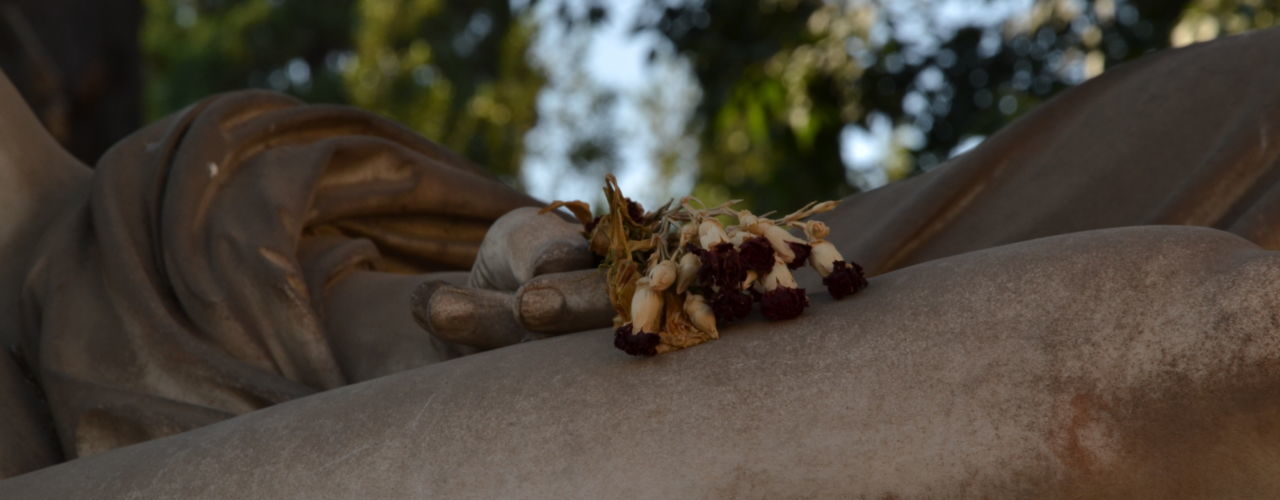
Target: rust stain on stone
pixel 1072 442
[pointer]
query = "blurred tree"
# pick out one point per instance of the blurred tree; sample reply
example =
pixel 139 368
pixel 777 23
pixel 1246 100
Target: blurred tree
pixel 782 79
pixel 455 71
pixel 77 65
pixel 577 127
pixel 774 99
pixel 781 85
pixel 1205 20
pixel 194 48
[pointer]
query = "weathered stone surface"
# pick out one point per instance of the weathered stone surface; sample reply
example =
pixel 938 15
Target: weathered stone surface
pixel 35 174
pixel 1123 363
pixel 24 424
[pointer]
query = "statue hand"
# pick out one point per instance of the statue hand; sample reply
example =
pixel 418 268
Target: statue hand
pixel 533 276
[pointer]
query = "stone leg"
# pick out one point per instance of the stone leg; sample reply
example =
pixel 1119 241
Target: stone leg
pixel 1124 363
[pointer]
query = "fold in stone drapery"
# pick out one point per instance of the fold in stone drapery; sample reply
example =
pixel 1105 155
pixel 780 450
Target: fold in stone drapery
pixel 1188 137
pixel 186 288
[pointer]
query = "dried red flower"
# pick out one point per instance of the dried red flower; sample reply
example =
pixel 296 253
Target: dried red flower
pixel 635 344
pixel 729 272
pixel 730 305
pixel 707 271
pixel 721 266
pixel 802 252
pixel 635 211
pixel 846 278
pixel 783 302
pixel 756 255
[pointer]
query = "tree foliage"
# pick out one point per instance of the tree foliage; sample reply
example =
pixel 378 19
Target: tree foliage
pixel 454 71
pixel 77 66
pixel 783 83
pixel 782 79
pixel 195 48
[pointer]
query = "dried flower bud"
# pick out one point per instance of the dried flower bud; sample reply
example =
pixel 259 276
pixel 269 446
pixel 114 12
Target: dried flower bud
pixel 779 276
pixel 801 251
pixel 687 271
pixel 845 279
pixel 688 233
pixel 825 206
pixel 747 219
pixel 824 257
pixel 646 308
pixel 662 275
pixel 778 239
pixel 816 230
pixel 700 314
pixel 636 344
pixel 711 233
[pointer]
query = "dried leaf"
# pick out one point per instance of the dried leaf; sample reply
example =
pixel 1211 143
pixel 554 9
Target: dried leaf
pixel 580 210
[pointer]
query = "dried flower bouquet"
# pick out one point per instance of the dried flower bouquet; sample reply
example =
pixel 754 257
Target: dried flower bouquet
pixel 678 274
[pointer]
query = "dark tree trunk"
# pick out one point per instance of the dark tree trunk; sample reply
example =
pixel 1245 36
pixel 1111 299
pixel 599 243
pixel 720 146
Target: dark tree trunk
pixel 78 65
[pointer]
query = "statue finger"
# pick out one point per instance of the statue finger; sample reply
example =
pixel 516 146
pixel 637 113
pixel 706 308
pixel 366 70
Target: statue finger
pixel 525 243
pixel 565 302
pixel 469 316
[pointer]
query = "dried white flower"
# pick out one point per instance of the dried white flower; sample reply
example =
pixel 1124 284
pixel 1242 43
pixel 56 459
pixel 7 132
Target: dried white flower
pixel 778 238
pixel 646 308
pixel 700 314
pixel 779 276
pixel 688 272
pixel 711 233
pixel 737 236
pixel 824 257
pixel 661 276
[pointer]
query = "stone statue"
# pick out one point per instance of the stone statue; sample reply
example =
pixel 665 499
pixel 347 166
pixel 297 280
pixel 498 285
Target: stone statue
pixel 241 253
pixel 1043 320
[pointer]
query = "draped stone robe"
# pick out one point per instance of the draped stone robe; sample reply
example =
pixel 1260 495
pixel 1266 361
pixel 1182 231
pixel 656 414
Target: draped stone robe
pixel 185 287
pixel 1188 136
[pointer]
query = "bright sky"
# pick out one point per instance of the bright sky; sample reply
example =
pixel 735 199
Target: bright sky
pixel 616 58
